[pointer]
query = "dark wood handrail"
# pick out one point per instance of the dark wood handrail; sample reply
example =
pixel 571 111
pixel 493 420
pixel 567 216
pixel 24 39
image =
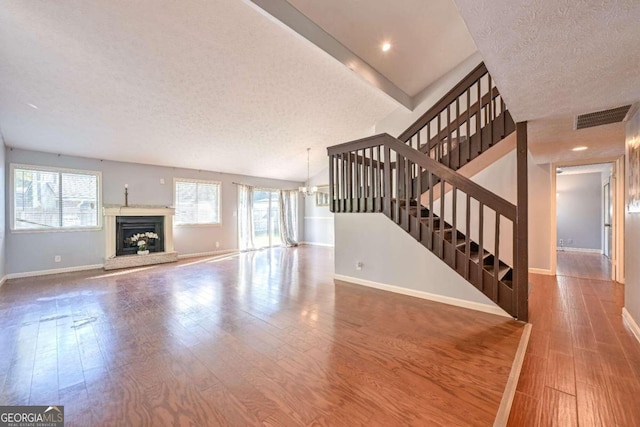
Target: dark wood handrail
pixel 451 96
pixel 481 194
pixel 458 121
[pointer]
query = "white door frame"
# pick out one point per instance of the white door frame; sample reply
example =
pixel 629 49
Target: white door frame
pixel 617 192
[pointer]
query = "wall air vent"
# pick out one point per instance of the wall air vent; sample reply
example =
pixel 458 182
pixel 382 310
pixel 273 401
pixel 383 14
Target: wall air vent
pixel 604 117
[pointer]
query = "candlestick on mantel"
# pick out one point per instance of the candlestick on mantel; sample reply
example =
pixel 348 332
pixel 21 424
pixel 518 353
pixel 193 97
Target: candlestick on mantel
pixel 126 195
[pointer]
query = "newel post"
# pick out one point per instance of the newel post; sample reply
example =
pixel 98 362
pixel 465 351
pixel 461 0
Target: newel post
pixel 522 224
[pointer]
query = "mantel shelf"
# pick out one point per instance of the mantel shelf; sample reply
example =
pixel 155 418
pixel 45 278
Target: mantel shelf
pixel 138 210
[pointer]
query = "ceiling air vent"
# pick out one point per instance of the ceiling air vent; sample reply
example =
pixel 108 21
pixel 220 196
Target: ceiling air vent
pixel 604 117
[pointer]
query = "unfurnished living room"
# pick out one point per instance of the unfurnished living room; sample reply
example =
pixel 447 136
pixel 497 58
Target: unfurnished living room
pixel 319 213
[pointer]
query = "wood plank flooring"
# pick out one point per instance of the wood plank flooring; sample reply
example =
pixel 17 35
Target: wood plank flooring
pixel 583 264
pixel 582 366
pixel 264 338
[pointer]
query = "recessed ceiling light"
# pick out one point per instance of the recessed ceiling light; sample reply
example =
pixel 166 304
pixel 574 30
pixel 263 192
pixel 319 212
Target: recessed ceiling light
pixel 581 148
pixel 386 46
pixel 33 106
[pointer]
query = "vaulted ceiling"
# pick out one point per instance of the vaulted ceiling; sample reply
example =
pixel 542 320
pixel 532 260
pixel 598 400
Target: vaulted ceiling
pixel 223 85
pixel 215 85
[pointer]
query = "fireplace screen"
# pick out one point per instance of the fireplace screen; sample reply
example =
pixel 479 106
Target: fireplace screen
pixel 127 226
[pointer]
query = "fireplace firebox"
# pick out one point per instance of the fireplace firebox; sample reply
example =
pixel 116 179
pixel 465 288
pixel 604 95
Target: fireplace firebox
pixel 127 226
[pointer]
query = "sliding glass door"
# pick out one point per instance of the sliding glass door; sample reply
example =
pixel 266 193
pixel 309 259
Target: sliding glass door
pixel 266 214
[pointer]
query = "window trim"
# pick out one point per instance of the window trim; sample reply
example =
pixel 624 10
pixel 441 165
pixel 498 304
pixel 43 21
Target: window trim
pixel 176 180
pixel 60 170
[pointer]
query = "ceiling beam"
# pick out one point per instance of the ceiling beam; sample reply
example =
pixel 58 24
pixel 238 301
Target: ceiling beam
pixel 285 13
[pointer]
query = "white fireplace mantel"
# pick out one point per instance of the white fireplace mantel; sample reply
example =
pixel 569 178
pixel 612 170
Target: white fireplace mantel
pixel 110 213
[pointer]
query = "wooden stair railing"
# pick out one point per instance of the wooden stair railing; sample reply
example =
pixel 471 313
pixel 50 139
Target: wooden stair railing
pixel 467 226
pixel 467 121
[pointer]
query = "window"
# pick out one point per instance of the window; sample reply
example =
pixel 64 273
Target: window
pixel 54 199
pixel 197 202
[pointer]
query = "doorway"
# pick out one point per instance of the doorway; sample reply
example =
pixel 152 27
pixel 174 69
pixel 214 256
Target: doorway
pixel 266 218
pixel 585 220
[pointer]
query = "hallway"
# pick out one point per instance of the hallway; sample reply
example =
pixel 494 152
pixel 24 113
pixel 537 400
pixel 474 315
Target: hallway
pixel 582 365
pixel 584 265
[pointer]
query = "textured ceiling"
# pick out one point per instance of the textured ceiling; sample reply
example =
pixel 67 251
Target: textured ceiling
pixel 200 84
pixel 551 140
pixel 602 168
pixel 558 57
pixel 428 38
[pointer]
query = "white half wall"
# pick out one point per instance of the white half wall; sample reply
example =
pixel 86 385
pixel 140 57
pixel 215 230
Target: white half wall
pixel 390 256
pixel 318 220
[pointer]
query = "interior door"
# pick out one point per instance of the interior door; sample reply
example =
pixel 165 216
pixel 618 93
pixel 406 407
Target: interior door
pixel 608 211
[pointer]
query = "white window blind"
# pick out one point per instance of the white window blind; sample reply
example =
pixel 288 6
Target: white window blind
pixel 54 198
pixel 197 202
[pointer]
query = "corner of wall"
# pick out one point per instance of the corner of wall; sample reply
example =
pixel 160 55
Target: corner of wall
pixel 3 205
pixel 632 229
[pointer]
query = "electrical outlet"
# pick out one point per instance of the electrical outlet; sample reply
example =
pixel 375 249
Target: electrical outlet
pixel 359 265
pixel 57 258
pixel 561 242
pixel 162 181
pixel 217 245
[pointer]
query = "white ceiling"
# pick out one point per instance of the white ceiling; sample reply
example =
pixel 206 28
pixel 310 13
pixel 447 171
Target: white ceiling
pixel 199 84
pixel 551 140
pixel 602 168
pixel 202 84
pixel 558 57
pixel 428 38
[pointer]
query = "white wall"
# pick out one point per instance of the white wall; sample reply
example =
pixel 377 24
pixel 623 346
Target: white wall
pixel 390 256
pixel 3 228
pixel 579 210
pixel 35 251
pixel 632 234
pixel 318 220
pixel 398 121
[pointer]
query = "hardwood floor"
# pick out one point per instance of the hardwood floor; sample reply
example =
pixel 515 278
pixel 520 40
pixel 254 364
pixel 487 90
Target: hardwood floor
pixel 582 366
pixel 262 338
pixel 583 264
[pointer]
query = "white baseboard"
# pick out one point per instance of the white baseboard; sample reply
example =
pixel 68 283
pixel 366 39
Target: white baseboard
pixel 4 279
pixel 54 271
pixel 485 308
pixel 566 249
pixel 543 271
pixel 635 328
pixel 210 253
pixel 502 417
pixel 326 245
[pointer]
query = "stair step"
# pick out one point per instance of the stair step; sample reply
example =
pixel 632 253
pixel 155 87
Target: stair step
pixel 503 268
pixel 474 256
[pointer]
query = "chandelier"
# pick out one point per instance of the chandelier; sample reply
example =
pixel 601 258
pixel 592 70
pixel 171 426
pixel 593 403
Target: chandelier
pixel 307 190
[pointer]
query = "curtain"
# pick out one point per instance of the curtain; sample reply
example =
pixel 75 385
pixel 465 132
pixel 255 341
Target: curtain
pixel 289 217
pixel 245 218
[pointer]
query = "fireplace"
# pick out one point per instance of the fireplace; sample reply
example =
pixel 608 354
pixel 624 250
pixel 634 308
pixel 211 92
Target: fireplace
pixel 127 226
pixel 122 222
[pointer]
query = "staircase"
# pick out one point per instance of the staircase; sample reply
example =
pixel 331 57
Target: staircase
pixel 412 180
